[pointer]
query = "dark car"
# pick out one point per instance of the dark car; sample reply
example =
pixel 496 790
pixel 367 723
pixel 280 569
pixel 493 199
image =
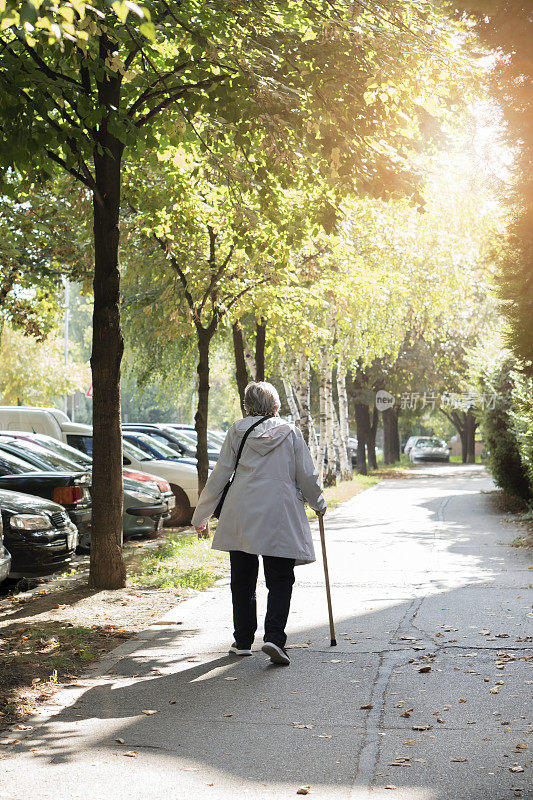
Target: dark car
pixel 181 440
pixel 39 534
pixel 71 489
pixel 5 557
pixel 145 507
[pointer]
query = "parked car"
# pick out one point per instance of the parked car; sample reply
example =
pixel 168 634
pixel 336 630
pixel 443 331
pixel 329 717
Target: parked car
pixel 429 448
pixel 69 488
pixel 183 439
pixel 409 443
pixel 39 534
pixel 144 505
pixel 5 556
pixel 86 461
pixel 182 476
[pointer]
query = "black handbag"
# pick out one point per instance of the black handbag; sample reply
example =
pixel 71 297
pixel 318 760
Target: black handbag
pixel 218 509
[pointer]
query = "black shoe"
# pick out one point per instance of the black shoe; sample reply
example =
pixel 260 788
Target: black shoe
pixel 277 654
pixel 240 651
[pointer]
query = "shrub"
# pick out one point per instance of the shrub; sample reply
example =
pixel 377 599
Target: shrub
pixel 504 432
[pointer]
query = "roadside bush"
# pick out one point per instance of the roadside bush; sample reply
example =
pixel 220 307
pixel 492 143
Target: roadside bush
pixel 522 418
pixel 505 433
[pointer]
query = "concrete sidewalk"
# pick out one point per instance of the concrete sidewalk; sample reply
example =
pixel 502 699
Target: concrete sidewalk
pixel 422 577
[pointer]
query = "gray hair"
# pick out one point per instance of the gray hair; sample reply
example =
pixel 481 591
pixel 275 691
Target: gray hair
pixel 261 399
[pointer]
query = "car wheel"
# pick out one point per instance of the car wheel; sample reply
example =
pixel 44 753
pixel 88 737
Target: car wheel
pixel 84 543
pixel 182 511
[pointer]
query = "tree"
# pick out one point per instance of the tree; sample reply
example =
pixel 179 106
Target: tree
pixel 81 83
pixel 505 27
pixel 33 372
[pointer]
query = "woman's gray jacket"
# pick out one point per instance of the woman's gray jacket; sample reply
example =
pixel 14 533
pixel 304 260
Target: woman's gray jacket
pixel 263 512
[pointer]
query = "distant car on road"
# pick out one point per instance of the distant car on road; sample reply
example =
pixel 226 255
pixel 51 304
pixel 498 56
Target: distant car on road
pixel 428 448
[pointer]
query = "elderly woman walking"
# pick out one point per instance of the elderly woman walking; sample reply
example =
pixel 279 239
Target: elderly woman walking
pixel 262 515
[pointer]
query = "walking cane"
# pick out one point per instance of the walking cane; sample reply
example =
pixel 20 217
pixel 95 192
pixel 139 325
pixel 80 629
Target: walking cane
pixel 326 575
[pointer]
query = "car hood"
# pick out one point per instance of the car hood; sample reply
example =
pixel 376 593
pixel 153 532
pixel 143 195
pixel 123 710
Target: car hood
pixel 17 502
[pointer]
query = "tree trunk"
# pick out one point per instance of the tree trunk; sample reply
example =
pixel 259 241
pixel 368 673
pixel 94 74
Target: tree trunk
pixel 362 422
pixel 470 437
pixel 371 444
pixel 330 478
pixel 344 460
pixel 342 396
pixel 322 425
pixel 396 455
pixel 204 336
pixel 241 373
pixel 388 436
pixel 289 394
pixel 107 569
pixel 302 391
pixel 260 340
pixel 391 436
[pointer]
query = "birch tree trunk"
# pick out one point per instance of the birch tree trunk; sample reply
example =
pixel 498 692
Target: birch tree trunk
pixel 322 425
pixel 330 478
pixel 344 430
pixel 302 392
pixel 289 394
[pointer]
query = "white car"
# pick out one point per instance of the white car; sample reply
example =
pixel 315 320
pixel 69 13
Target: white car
pixel 181 473
pixel 429 448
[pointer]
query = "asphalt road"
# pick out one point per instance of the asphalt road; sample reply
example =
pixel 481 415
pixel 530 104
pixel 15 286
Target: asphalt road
pixel 422 577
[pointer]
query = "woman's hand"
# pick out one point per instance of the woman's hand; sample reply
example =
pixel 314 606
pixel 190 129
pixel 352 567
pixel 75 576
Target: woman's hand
pixel 201 530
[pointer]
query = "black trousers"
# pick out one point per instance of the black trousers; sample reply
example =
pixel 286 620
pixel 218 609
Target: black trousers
pixel 279 577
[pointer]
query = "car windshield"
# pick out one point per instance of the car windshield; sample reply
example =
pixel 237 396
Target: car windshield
pixel 65 450
pixel 12 465
pixel 81 442
pixel 430 443
pixel 135 452
pixel 147 443
pixel 190 438
pixel 39 455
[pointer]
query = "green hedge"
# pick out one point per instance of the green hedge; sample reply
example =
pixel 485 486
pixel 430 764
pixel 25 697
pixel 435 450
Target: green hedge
pixel 507 429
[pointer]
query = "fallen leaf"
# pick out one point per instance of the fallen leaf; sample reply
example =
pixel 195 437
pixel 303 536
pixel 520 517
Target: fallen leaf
pixel 390 786
pixel 521 746
pixel 410 741
pixel 367 705
pixel 425 668
pixel 303 790
pixel 130 753
pixel 458 759
pixel 149 712
pixel 439 719
pixel 172 702
pixel 421 727
pixel 324 736
pixel 301 726
pixel 120 741
pixel 230 679
pixel 462 700
pixel 495 689
pixel 516 768
pixel 228 715
pixel 407 712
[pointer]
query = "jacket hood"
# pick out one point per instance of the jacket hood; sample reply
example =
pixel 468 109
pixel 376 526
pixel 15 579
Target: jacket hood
pixel 267 436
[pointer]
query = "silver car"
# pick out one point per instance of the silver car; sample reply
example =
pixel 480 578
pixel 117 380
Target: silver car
pixel 428 448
